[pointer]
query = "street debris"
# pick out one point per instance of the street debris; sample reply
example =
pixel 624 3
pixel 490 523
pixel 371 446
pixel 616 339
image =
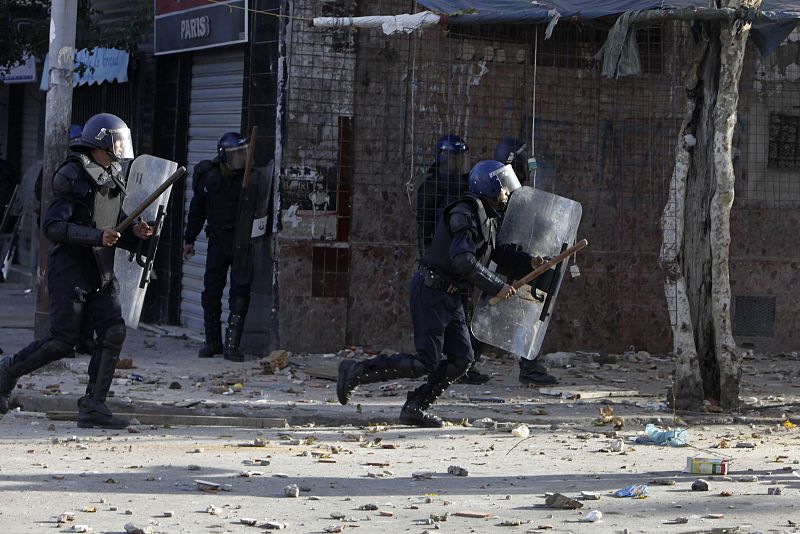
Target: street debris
pixel 510 523
pixel 292 490
pixel 457 471
pixel 277 360
pixel 774 491
pixel 590 496
pixel 422 475
pixel 132 528
pixel 607 417
pixel 594 516
pixel 65 517
pixel 274 525
pixel 656 435
pixel 521 431
pixel 557 500
pixel 634 491
pixel 473 515
pixel 699 485
pixel 707 466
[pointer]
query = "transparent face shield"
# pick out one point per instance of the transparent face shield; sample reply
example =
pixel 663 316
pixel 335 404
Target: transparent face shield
pixel 455 163
pixel 236 158
pixel 508 178
pixel 122 144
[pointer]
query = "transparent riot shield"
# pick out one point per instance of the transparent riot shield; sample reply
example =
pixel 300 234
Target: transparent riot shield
pixel 543 224
pixel 12 216
pixel 133 269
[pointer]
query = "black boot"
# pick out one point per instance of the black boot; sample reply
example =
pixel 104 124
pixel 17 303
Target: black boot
pixel 533 373
pixel 213 330
pixel 418 401
pixel 378 369
pixel 473 377
pixel 92 409
pixel 233 334
pixel 36 355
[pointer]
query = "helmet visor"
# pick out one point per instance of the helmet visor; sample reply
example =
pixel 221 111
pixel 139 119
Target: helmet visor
pixel 454 163
pixel 236 158
pixel 122 144
pixel 508 178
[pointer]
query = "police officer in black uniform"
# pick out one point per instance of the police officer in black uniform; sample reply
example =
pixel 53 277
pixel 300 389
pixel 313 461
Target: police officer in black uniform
pixel 217 186
pixel 88 189
pixel 462 247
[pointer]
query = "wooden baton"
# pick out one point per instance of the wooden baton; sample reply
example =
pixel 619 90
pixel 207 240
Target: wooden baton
pixel 544 267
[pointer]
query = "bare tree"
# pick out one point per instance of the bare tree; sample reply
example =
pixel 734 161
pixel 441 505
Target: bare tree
pixel 696 219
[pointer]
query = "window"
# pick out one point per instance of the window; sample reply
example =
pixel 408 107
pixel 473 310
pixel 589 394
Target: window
pixel 784 141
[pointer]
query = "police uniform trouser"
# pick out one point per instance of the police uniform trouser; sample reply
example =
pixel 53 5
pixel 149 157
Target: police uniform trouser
pixel 219 258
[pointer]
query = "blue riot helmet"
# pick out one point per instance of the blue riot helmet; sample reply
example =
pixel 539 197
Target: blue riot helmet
pixel 109 133
pixel 488 178
pixel 74 133
pixel 232 150
pixel 511 151
pixel 452 155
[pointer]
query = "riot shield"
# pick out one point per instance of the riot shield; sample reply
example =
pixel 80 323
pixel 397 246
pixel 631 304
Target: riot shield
pixel 251 225
pixel 543 224
pixel 133 269
pixel 14 214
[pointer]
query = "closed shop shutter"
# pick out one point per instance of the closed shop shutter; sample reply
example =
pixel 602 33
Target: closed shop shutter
pixel 216 108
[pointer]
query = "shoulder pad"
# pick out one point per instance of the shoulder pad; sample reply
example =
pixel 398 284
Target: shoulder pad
pixel 203 166
pixel 70 178
pixel 461 217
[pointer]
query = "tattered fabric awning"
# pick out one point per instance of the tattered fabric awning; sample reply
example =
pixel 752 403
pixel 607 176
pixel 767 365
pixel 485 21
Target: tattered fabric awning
pixel 96 66
pixel 542 12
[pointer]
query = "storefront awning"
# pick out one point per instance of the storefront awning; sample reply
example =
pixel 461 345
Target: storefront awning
pixel 96 66
pixel 541 12
pixel 24 72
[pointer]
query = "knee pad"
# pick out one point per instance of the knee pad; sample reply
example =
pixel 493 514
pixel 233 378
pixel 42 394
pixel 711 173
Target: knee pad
pixel 114 336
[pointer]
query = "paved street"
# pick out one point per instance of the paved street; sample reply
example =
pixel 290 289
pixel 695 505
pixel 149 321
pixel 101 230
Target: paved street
pixel 343 458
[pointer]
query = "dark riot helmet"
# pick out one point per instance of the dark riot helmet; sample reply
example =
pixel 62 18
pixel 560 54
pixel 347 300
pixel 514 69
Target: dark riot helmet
pixel 488 177
pixel 511 151
pixel 232 150
pixel 74 132
pixel 109 133
pixel 452 155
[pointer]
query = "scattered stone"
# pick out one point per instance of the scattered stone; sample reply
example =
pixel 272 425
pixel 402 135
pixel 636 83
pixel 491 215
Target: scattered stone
pixel 510 523
pixel 715 516
pixel 210 487
pixel 212 510
pixel 274 525
pixel 66 517
pixel 368 507
pixel 749 478
pixel 337 515
pixel 617 445
pixel 386 513
pixel 128 512
pixel 473 515
pixel 292 490
pixel 726 493
pixel 457 471
pixel 80 528
pixel 248 521
pixel 557 500
pixel 745 445
pixel 699 485
pixel 422 475
pixel 277 360
pixel 590 495
pixel 486 422
pixel 133 528
pixel 677 521
pixel 175 385
pixel 193 467
pixel 774 491
pixel 169 513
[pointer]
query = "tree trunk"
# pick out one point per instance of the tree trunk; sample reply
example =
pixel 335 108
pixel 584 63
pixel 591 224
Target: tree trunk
pixel 696 221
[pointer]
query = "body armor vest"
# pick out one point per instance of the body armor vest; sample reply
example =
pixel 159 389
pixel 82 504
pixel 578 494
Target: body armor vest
pixel 438 255
pixel 107 193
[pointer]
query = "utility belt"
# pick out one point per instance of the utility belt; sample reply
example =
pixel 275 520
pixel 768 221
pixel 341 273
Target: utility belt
pixel 435 280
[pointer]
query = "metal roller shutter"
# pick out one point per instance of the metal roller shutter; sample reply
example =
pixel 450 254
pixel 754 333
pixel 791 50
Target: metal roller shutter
pixel 216 108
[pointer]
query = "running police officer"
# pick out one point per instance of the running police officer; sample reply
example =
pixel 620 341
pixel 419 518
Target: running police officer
pixel 217 186
pixel 462 246
pixel 88 189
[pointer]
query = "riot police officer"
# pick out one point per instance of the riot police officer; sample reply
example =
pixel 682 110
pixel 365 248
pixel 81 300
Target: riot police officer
pixel 88 189
pixel 217 186
pixel 511 151
pixel 446 181
pixel 462 246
